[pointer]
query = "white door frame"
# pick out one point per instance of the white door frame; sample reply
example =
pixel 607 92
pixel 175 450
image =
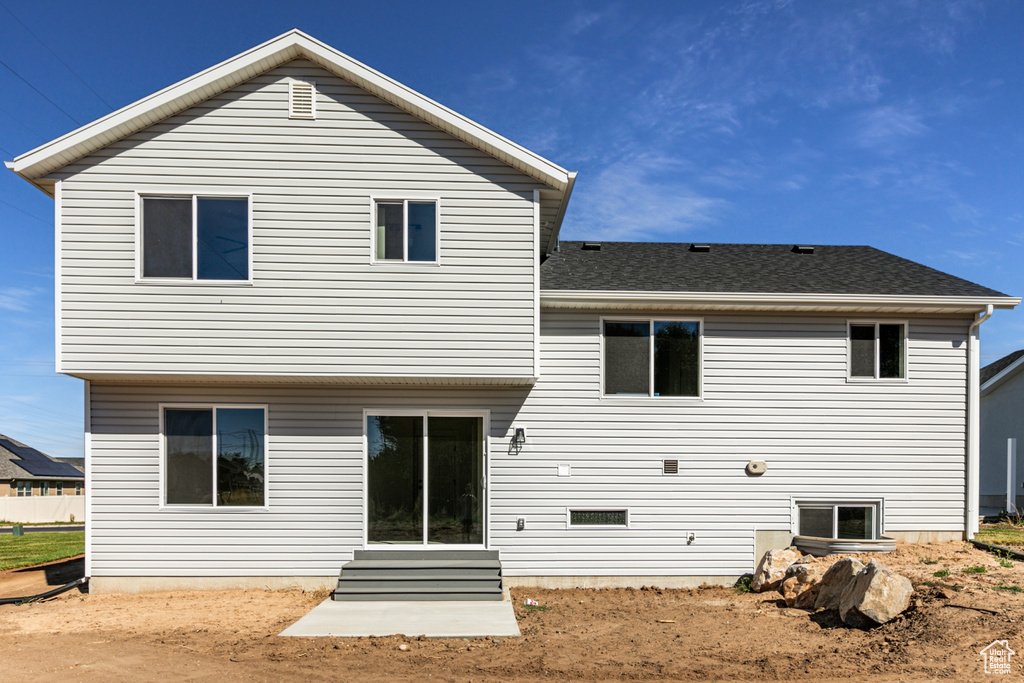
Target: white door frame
pixel 485 414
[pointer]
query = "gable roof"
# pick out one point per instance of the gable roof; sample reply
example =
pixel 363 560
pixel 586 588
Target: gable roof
pixel 1000 369
pixel 37 163
pixel 755 272
pixel 18 461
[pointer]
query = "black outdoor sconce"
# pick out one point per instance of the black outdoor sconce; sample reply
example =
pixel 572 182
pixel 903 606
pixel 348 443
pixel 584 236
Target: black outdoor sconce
pixel 517 442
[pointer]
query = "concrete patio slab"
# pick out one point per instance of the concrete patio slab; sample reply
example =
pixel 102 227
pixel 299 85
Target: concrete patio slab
pixel 433 619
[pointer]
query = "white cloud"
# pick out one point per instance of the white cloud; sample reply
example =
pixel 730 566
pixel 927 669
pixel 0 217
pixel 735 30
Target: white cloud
pixel 638 199
pixel 18 299
pixel 882 128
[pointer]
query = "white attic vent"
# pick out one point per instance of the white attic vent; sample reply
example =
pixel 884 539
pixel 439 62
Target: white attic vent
pixel 301 100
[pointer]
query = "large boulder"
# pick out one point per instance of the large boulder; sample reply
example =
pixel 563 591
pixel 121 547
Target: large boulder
pixel 799 587
pixel 875 596
pixel 835 580
pixel 772 569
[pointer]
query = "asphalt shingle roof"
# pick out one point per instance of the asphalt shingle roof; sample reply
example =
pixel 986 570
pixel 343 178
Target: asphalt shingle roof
pixel 746 268
pixel 994 368
pixel 10 469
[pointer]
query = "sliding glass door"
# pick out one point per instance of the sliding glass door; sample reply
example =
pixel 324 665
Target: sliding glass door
pixel 432 459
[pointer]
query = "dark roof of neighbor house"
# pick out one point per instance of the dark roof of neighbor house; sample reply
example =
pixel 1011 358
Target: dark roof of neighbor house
pixel 18 461
pixel 746 268
pixel 994 368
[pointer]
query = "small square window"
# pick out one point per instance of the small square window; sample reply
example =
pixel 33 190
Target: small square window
pixel 405 231
pixel 195 238
pixel 877 351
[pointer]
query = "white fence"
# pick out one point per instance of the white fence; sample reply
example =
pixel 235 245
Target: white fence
pixel 37 509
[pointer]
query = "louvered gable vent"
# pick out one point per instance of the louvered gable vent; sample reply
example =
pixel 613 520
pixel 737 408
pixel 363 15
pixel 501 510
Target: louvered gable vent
pixel 301 100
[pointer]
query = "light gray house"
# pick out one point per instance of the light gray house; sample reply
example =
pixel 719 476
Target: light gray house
pixel 318 313
pixel 1002 433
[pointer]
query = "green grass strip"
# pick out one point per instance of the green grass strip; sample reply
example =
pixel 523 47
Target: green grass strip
pixel 32 549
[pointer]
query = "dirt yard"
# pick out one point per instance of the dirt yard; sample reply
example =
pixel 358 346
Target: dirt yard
pixel 621 634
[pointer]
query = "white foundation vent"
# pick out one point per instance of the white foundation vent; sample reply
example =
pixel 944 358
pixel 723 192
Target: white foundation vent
pixel 301 100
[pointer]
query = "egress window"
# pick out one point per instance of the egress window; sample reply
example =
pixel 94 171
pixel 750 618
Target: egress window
pixel 826 520
pixel 652 357
pixel 195 238
pixel 405 230
pixel 215 456
pixel 878 351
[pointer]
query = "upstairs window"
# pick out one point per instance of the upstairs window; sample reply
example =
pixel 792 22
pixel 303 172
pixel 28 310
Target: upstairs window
pixel 878 351
pixel 195 238
pixel 652 357
pixel 405 230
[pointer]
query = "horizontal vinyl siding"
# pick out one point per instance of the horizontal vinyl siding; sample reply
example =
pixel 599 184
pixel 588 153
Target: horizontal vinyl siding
pixel 316 305
pixel 774 389
pixel 314 470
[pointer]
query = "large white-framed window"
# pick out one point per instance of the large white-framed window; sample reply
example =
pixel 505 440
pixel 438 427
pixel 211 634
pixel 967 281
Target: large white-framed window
pixel 214 456
pixel 838 518
pixel 877 350
pixel 406 230
pixel 44 488
pixel 24 489
pixel 201 237
pixel 653 357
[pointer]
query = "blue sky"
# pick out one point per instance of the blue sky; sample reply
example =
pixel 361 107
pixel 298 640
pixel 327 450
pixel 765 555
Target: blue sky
pixel 893 124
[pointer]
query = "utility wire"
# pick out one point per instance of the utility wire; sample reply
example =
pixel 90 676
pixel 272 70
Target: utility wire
pixel 32 215
pixel 66 65
pixel 4 64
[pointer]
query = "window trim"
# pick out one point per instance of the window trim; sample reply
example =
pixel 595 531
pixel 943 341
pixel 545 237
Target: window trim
pixel 906 352
pixel 604 508
pixel 650 377
pixel 194 193
pixel 194 507
pixel 837 502
pixel 405 198
pixel 427 413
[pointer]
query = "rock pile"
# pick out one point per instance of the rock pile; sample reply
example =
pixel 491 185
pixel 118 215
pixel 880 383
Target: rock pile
pixel 865 596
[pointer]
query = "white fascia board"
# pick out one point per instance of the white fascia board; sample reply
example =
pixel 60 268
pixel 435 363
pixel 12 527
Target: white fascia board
pixel 557 227
pixel 294 44
pixel 752 301
pixel 1005 373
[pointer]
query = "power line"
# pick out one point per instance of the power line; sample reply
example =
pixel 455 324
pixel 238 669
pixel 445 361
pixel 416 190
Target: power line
pixel 4 64
pixel 31 215
pixel 66 65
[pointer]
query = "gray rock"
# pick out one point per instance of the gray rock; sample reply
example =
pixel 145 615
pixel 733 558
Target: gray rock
pixel 875 596
pixel 772 569
pixel 835 580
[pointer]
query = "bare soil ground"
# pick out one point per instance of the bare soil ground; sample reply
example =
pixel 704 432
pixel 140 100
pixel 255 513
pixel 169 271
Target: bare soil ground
pixel 704 634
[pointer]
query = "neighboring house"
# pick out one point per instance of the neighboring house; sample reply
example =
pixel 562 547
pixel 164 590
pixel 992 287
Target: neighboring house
pixel 1002 432
pixel 26 472
pixel 317 312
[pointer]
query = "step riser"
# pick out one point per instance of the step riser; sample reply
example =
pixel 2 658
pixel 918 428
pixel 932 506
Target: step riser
pixel 413 586
pixel 413 597
pixel 411 572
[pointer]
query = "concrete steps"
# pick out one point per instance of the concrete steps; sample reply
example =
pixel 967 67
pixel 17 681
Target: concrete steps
pixel 421 575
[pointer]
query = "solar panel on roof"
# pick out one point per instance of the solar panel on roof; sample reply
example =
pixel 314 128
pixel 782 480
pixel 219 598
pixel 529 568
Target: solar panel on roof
pixel 37 464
